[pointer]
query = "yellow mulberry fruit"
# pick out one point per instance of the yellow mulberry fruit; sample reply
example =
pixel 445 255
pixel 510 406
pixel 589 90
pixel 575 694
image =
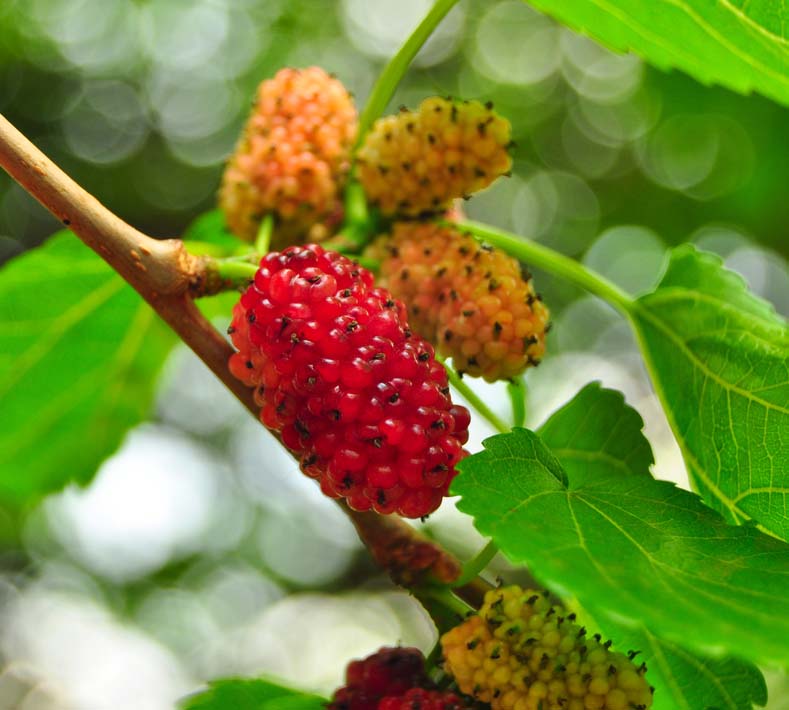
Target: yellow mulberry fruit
pixel 418 161
pixel 293 157
pixel 473 302
pixel 523 653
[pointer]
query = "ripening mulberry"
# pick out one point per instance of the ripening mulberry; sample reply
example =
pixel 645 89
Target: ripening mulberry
pixel 356 396
pixel 387 672
pixel 475 303
pixel 520 652
pixel 293 156
pixel 417 162
pixel 421 699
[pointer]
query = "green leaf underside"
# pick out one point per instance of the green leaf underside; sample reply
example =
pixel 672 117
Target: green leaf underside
pixel 596 433
pixel 244 694
pixel 739 44
pixel 79 351
pixel 719 358
pixel 684 680
pixel 632 549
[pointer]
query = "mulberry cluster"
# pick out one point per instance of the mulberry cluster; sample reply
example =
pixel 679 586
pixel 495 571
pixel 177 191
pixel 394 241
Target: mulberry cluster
pixel 356 396
pixel 293 156
pixel 473 302
pixel 417 162
pixel 520 652
pixel 392 679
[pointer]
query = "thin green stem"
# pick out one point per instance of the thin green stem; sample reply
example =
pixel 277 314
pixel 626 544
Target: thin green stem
pixel 473 398
pixel 445 597
pixel 238 272
pixel 545 258
pixel 476 564
pixel 517 392
pixel 433 657
pixel 356 212
pixel 263 240
pixel 393 72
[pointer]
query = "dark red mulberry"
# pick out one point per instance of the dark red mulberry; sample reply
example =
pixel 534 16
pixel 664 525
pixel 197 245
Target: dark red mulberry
pixel 388 672
pixel 421 699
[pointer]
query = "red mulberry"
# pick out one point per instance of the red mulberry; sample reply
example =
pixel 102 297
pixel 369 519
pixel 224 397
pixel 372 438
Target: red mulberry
pixel 356 396
pixel 389 671
pixel 416 162
pixel 293 157
pixel 520 652
pixel 472 301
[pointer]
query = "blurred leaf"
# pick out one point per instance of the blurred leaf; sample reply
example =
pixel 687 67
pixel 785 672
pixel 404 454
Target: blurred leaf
pixel 719 358
pixel 244 694
pixel 741 45
pixel 79 354
pixel 597 433
pixel 211 236
pixel 632 549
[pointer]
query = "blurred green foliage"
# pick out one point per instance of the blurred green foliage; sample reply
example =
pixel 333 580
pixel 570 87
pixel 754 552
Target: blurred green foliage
pixel 143 102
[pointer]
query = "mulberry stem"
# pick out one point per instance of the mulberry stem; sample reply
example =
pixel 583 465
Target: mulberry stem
pixel 263 239
pixel 473 398
pixel 393 72
pixel 236 274
pixel 476 564
pixel 445 597
pixel 517 392
pixel 356 212
pixel 545 258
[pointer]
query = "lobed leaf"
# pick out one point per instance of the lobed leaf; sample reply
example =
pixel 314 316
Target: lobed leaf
pixel 632 549
pixel 739 44
pixel 79 354
pixel 596 433
pixel 719 359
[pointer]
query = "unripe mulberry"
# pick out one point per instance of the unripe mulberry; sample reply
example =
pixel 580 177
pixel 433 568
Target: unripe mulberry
pixel 387 672
pixel 475 303
pixel 417 162
pixel 356 396
pixel 293 156
pixel 522 652
pixel 421 699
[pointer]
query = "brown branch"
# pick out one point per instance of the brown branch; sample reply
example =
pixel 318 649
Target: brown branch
pixel 167 277
pixel 402 551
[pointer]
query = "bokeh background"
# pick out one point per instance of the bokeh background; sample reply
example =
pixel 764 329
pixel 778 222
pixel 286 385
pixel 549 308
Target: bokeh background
pixel 199 551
